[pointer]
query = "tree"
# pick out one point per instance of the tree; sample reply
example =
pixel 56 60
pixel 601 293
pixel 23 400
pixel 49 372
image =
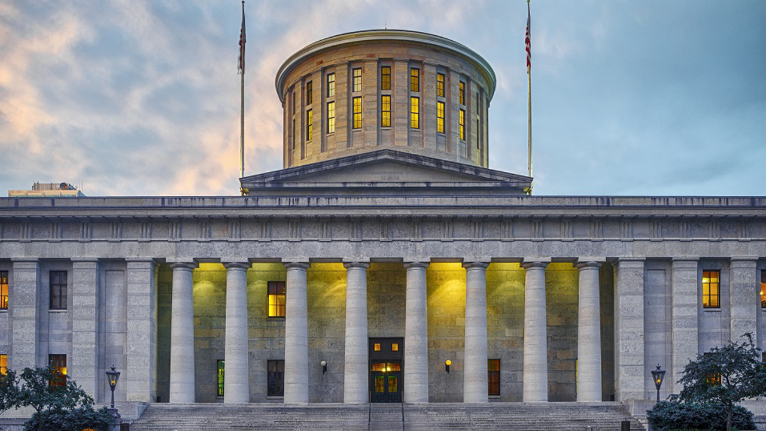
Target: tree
pixel 725 375
pixel 55 397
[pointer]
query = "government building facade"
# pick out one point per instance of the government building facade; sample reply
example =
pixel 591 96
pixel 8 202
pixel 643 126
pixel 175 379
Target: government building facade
pixel 384 263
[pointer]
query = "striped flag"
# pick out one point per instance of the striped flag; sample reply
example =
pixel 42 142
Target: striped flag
pixel 241 59
pixel 527 38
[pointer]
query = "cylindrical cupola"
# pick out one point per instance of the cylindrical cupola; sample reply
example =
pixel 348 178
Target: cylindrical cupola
pixel 368 90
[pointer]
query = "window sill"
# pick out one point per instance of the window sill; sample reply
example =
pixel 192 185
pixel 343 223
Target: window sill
pixel 5 310
pixel 493 397
pixel 275 398
pixel 712 310
pixel 57 311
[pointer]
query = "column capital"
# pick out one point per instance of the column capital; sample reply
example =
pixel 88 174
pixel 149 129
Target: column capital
pixel 744 260
pixel 84 259
pixel 85 262
pixel 416 264
pixel 141 260
pixel 587 264
pixel 183 265
pixel 356 262
pixel 535 263
pixel 476 264
pixel 232 264
pixel 295 263
pixel 25 260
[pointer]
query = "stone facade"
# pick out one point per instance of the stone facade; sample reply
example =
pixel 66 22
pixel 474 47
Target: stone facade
pixel 577 296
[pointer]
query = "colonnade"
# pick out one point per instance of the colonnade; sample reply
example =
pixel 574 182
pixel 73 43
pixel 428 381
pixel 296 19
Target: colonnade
pixel 416 387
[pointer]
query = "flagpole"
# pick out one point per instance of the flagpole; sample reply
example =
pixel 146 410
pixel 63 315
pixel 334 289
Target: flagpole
pixel 242 97
pixel 529 111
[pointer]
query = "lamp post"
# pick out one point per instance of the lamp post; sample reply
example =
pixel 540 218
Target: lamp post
pixel 657 376
pixel 112 377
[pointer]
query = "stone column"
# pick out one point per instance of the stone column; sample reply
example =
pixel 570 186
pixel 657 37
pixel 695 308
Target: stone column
pixel 535 385
pixel 237 372
pixel 630 370
pixel 589 378
pixel 141 376
pixel 416 378
pixel 684 318
pixel 744 297
pixel 296 335
pixel 356 343
pixel 475 344
pixel 182 387
pixel 84 367
pixel 24 315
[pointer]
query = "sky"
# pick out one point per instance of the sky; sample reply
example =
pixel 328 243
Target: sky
pixel 142 97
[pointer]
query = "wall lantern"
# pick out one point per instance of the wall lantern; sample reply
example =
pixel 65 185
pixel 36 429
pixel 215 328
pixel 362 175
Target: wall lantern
pixel 324 366
pixel 447 365
pixel 657 376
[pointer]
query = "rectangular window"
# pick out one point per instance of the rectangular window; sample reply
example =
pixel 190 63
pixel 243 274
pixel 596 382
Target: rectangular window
pixel 440 85
pixel 441 117
pixel 357 79
pixel 331 85
pixel 357 120
pixel 462 124
pixel 309 125
pixel 275 377
pixel 385 111
pixel 377 347
pixel 415 75
pixel 309 93
pixel 4 289
pixel 294 103
pixel 395 347
pixel 476 134
pixel 295 134
pixel 414 112
pixel 331 117
pixel 3 365
pixel 761 291
pixel 386 78
pixel 220 377
pixel 710 289
pixel 276 292
pixel 59 364
pixel 494 377
pixel 58 284
pixel 461 93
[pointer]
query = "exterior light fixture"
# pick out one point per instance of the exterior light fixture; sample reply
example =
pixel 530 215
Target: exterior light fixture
pixel 324 366
pixel 657 377
pixel 112 377
pixel 447 365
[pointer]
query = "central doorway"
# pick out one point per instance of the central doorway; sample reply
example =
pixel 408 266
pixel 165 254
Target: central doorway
pixel 386 370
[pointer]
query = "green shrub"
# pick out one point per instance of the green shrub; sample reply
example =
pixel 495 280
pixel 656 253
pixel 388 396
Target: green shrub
pixel 667 416
pixel 77 419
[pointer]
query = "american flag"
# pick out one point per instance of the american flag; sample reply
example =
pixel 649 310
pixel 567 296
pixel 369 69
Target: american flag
pixel 527 38
pixel 241 59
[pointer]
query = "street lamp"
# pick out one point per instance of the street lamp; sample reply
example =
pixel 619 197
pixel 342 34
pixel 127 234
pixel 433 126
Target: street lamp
pixel 657 376
pixel 112 377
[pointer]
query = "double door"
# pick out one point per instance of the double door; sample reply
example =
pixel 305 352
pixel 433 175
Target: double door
pixel 386 370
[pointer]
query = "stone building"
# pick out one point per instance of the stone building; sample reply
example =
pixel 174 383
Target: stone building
pixel 384 248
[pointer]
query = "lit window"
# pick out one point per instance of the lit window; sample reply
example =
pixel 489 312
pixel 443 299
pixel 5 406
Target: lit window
pixel 494 377
pixel 357 103
pixel 3 365
pixel 461 93
pixel 385 111
pixel 441 117
pixel 761 291
pixel 714 378
pixel 414 112
pixel 276 292
pixel 440 85
pixel 309 125
pixel 4 289
pixel 332 85
pixel 395 347
pixel 377 347
pixel 414 80
pixel 331 117
pixel 220 377
pixel 710 289
pixel 309 93
pixel 58 292
pixel 58 363
pixel 275 377
pixel 357 79
pixel 462 124
pixel 386 78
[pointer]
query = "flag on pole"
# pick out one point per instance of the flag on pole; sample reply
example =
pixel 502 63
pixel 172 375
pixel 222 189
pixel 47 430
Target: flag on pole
pixel 527 38
pixel 241 59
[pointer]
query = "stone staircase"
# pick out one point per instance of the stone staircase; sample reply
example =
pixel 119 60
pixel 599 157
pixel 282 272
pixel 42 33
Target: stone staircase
pixel 389 417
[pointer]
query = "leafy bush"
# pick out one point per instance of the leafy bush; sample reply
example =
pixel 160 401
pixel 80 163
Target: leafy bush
pixel 666 416
pixel 77 419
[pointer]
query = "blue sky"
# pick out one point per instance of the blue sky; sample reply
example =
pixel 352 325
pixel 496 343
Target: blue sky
pixel 142 97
